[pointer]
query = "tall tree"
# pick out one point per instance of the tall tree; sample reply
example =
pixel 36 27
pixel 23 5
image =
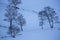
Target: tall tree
pixel 11 14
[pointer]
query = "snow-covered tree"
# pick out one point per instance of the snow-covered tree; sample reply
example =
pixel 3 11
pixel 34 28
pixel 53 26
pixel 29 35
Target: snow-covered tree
pixel 51 15
pixel 48 14
pixel 41 18
pixel 11 14
pixel 21 21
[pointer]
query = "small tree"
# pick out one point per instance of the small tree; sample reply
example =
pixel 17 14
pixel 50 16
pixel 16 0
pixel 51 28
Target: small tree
pixel 41 18
pixel 21 21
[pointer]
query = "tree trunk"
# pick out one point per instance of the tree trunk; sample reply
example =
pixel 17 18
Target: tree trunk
pixel 49 21
pixel 52 23
pixel 11 27
pixel 14 34
pixel 21 28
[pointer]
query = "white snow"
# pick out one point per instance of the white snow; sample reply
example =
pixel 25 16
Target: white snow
pixel 37 34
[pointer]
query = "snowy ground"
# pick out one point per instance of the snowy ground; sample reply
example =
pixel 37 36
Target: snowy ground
pixel 37 34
